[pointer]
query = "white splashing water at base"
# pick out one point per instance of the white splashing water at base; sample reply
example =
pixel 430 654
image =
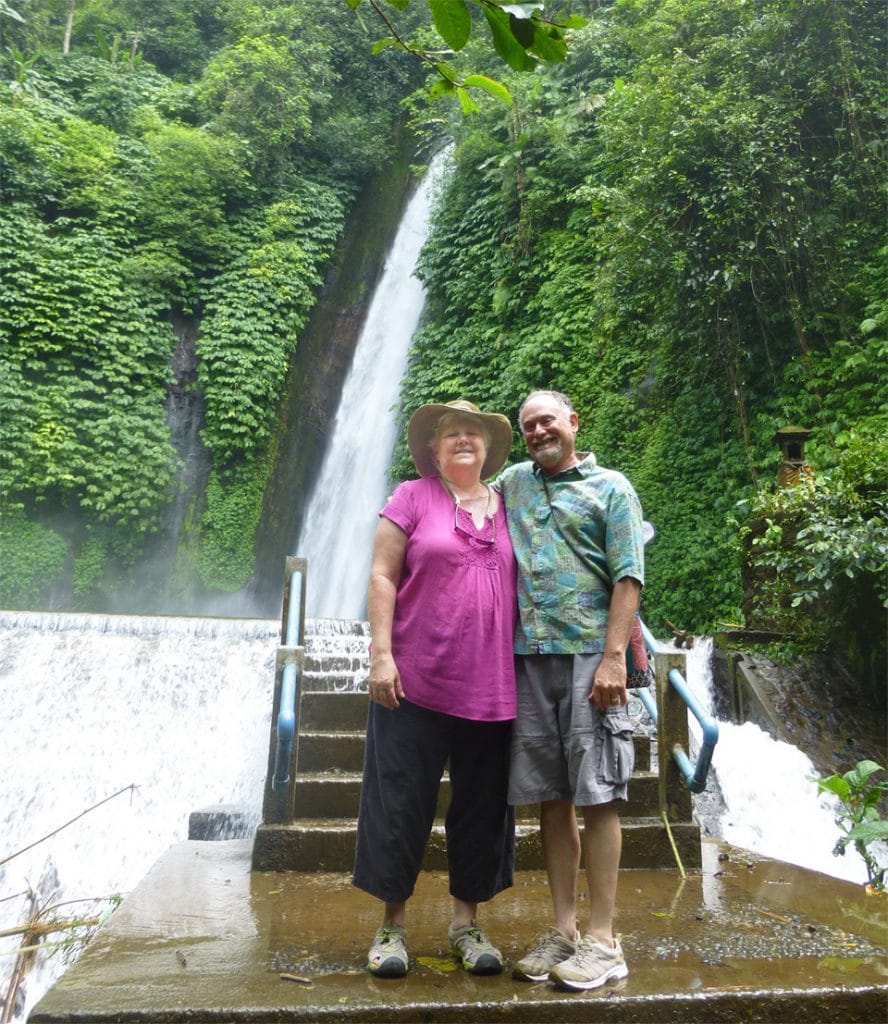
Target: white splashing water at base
pixel 771 805
pixel 177 707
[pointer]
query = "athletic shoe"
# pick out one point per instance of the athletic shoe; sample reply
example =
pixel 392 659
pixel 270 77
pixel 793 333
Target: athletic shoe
pixel 472 949
pixel 552 948
pixel 592 965
pixel 388 954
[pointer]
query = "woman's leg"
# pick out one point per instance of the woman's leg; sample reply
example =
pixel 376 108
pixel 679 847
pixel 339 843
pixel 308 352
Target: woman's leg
pixel 480 823
pixel 403 762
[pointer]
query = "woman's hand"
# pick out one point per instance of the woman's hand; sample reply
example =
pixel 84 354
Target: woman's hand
pixel 384 682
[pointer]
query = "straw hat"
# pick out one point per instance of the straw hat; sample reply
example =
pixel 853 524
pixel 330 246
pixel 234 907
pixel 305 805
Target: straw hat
pixel 421 433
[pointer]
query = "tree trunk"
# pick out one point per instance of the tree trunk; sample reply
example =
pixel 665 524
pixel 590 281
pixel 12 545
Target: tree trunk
pixel 69 24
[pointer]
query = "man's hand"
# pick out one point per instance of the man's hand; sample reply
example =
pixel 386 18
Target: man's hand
pixel 609 685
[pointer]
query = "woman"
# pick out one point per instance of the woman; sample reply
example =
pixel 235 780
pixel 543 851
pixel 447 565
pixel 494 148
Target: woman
pixel 442 606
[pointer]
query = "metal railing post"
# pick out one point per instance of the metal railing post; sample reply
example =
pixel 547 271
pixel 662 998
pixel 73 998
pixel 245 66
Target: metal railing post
pixel 280 794
pixel 672 732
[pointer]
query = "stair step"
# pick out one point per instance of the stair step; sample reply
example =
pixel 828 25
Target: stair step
pixel 330 751
pixel 333 712
pixel 322 845
pixel 340 750
pixel 336 795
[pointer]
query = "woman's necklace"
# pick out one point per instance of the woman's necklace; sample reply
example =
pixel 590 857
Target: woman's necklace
pixel 458 502
pixel 451 490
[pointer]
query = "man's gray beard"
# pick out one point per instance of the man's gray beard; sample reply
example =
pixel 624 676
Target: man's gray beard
pixel 550 456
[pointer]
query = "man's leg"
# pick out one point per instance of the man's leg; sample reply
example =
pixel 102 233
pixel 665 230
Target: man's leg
pixel 561 853
pixel 598 958
pixel 602 845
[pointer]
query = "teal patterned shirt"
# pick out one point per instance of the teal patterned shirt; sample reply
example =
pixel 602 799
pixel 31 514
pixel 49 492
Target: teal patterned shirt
pixel 563 599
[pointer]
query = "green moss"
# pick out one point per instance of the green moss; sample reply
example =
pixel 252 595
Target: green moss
pixel 32 557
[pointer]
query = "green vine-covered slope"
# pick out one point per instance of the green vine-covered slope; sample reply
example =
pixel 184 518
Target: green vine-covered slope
pixel 678 220
pixel 184 170
pixel 682 227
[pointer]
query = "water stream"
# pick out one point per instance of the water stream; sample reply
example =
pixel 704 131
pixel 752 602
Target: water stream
pixel 761 796
pixel 179 708
pixel 337 536
pixel 93 703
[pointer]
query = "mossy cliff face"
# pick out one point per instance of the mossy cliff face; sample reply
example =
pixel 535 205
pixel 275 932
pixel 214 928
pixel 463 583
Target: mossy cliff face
pixel 62 562
pixel 318 370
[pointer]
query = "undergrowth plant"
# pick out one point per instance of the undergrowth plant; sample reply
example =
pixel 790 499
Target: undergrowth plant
pixel 858 816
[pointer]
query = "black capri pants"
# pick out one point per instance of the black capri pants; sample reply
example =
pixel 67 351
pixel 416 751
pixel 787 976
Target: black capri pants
pixel 406 751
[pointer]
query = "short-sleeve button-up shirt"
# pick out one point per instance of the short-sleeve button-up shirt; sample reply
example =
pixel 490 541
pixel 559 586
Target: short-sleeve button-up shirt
pixel 572 533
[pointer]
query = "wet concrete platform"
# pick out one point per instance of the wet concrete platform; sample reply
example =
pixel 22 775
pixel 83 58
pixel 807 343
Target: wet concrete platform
pixel 746 939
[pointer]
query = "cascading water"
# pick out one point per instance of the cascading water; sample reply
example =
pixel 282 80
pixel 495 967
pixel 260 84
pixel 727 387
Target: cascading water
pixel 337 535
pixel 769 805
pixel 177 707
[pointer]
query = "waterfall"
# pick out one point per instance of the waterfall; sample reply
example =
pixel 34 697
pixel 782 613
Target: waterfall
pixel 768 802
pixel 92 703
pixel 340 521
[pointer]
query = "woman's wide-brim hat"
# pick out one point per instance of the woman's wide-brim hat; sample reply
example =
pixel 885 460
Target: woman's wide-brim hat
pixel 421 433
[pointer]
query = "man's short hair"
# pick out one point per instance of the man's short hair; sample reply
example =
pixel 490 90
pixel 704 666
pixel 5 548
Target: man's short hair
pixel 558 396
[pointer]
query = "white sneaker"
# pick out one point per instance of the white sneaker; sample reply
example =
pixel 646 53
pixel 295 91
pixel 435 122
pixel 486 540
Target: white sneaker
pixel 592 965
pixel 388 953
pixel 552 948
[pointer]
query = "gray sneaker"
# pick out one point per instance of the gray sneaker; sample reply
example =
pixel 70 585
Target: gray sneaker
pixel 472 949
pixel 592 965
pixel 552 948
pixel 388 953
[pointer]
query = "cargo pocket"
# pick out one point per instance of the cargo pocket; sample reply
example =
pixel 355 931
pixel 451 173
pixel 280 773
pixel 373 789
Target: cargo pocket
pixel 617 746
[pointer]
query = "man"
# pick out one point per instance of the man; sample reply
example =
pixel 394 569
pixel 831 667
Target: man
pixel 577 533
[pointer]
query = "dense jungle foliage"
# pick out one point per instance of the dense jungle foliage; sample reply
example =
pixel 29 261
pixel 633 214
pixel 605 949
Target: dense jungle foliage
pixel 681 225
pixel 187 163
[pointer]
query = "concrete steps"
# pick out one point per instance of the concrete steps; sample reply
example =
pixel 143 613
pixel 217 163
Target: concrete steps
pixel 327 780
pixel 334 794
pixel 322 844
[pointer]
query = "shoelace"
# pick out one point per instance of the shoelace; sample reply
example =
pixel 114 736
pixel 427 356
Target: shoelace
pixel 589 954
pixel 546 942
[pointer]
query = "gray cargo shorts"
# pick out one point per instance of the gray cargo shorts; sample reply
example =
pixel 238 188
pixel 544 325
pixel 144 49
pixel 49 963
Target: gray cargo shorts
pixel 563 747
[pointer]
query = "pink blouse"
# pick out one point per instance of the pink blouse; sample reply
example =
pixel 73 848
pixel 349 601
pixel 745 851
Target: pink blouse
pixel 456 605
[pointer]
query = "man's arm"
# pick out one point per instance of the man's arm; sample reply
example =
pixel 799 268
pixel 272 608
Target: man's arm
pixel 609 684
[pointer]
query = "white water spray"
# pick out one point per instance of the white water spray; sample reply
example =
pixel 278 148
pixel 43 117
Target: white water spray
pixel 771 806
pixel 337 535
pixel 92 703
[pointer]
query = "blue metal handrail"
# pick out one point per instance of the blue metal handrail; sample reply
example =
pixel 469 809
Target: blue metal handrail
pixel 291 677
pixel 694 775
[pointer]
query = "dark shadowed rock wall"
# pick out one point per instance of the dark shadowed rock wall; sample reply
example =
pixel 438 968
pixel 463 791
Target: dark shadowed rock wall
pixel 318 370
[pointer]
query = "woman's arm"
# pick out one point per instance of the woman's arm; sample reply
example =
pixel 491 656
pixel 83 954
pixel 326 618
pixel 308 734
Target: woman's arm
pixel 389 551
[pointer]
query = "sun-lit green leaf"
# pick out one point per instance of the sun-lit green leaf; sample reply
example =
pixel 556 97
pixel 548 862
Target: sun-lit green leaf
pixel 468 105
pixel 489 85
pixel 452 20
pixel 384 44
pixel 441 87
